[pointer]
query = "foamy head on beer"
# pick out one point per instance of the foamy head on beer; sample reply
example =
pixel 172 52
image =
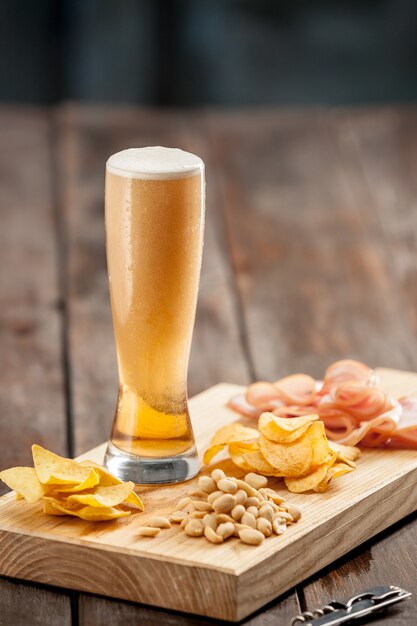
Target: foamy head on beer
pixel 154 233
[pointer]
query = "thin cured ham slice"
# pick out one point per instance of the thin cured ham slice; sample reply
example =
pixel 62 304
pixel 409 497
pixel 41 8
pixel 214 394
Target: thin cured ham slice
pixel 406 434
pixel 361 401
pixel 378 430
pixel 263 394
pixel 239 404
pixel 339 425
pixel 297 389
pixel 348 400
pixel 344 371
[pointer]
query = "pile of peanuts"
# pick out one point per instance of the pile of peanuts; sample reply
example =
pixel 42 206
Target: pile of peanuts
pixel 223 506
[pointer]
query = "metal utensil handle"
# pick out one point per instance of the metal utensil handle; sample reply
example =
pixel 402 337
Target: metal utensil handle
pixel 356 606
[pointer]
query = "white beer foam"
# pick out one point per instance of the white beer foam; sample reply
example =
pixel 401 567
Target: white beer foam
pixel 155 162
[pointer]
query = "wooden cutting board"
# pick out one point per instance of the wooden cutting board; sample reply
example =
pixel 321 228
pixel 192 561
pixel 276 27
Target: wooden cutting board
pixel 227 581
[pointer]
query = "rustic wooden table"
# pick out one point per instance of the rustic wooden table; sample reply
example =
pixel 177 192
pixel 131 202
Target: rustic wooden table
pixel 310 255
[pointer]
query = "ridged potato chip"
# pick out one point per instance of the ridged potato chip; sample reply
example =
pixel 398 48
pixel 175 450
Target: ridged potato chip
pixel 283 429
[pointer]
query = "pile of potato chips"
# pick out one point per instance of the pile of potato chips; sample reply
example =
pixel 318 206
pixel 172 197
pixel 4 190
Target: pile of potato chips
pixel 295 449
pixel 66 487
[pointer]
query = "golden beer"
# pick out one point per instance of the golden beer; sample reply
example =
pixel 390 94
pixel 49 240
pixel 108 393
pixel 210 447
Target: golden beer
pixel 154 237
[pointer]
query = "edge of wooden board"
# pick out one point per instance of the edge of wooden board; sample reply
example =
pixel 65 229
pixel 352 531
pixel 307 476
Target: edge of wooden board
pixel 203 591
pixel 315 552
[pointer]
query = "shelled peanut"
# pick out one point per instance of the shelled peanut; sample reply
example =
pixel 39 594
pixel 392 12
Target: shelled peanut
pixel 223 507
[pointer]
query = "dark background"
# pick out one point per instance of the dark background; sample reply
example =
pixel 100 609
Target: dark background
pixel 215 52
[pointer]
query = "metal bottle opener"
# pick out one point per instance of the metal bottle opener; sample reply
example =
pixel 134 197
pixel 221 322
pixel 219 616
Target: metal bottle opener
pixel 356 607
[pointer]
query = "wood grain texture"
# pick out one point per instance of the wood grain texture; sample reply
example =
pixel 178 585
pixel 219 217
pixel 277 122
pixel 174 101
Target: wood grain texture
pixel 31 382
pixel 107 612
pixel 228 581
pixel 381 148
pixel 313 269
pixel 32 405
pixel 24 605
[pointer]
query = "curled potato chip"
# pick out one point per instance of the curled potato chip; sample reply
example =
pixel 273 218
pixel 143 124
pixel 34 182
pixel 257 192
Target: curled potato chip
pixel 338 469
pixel 234 432
pixel 25 482
pixel 284 429
pixel 89 513
pixel 310 481
pixel 212 451
pixel 289 459
pixel 231 433
pixel 306 483
pixel 317 435
pixel 52 469
pixel 348 454
pixel 236 454
pixel 258 464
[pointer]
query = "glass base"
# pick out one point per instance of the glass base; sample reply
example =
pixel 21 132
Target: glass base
pixel 149 471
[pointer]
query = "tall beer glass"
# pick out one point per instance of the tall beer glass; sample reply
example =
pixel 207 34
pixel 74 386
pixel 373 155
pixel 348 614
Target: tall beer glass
pixel 155 200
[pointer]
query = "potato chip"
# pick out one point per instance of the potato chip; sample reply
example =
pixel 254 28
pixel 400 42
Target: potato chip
pixel 258 464
pixel 211 452
pixel 89 513
pixel 234 432
pixel 236 451
pixel 306 483
pixel 317 435
pixel 52 469
pixel 346 454
pixel 238 460
pixel 289 459
pixel 231 433
pixel 284 429
pixel 24 481
pixel 338 469
pixel 311 480
pixel 103 496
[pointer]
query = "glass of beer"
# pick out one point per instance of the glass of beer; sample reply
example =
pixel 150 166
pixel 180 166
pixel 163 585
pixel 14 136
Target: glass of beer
pixel 155 201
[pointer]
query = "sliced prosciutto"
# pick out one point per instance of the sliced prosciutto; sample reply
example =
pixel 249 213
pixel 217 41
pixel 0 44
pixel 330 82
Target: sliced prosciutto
pixel 354 409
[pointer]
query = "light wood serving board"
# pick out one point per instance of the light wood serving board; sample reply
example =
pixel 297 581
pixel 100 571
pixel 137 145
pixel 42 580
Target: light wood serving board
pixel 227 581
